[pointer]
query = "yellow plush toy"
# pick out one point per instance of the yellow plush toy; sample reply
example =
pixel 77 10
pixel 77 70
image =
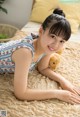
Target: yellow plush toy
pixel 60 51
pixel 55 59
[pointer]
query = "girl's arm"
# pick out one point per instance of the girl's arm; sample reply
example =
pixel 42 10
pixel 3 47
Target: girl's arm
pixel 43 67
pixel 22 58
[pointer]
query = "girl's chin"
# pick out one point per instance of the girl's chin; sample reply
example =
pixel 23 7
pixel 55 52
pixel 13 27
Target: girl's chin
pixel 49 52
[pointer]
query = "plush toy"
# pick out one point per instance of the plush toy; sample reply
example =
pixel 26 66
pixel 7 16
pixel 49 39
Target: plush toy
pixel 60 51
pixel 54 61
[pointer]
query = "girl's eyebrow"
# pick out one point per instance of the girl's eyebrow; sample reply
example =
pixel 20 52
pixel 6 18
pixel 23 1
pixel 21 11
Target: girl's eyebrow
pixel 57 36
pixel 53 35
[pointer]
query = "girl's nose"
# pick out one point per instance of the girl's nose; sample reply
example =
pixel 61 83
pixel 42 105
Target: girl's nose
pixel 55 45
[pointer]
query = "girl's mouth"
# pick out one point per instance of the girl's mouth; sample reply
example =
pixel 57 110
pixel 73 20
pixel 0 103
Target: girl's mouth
pixel 50 48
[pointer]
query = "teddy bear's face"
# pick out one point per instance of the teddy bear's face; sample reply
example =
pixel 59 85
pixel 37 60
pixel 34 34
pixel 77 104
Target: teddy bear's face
pixel 54 61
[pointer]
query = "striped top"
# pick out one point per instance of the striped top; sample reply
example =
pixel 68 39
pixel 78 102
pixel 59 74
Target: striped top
pixel 6 50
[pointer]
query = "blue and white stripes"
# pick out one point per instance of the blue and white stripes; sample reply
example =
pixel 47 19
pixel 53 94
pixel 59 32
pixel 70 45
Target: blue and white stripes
pixel 6 50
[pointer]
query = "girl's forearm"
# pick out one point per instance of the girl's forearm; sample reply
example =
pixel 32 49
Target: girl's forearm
pixel 53 75
pixel 34 94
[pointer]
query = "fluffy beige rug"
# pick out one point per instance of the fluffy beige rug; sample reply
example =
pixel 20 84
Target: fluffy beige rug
pixel 69 68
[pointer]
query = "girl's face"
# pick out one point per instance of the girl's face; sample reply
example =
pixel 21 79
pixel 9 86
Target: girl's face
pixel 50 42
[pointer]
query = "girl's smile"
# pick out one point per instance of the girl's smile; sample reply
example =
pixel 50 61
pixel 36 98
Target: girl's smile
pixel 50 48
pixel 50 42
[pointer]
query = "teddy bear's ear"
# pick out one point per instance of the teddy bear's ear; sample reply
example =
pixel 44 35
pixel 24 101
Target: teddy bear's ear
pixel 60 51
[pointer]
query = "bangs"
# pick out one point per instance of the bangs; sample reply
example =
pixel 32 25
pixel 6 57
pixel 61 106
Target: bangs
pixel 62 29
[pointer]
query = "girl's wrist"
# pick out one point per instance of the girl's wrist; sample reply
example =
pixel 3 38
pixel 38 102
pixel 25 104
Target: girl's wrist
pixel 62 80
pixel 55 94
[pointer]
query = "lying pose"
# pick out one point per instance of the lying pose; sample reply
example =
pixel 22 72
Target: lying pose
pixel 21 56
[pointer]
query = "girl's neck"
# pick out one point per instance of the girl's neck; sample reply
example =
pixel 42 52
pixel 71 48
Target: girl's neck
pixel 37 47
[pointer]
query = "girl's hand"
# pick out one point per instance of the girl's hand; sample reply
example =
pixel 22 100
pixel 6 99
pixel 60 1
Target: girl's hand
pixel 67 96
pixel 66 85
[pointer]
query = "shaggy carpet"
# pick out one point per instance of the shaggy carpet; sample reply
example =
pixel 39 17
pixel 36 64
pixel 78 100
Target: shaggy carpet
pixel 69 68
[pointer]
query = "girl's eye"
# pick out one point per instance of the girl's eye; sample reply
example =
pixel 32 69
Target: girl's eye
pixel 53 36
pixel 62 41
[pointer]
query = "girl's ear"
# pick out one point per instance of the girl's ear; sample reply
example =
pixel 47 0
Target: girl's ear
pixel 40 31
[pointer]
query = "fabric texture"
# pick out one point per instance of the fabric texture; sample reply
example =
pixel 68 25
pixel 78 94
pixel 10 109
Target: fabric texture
pixel 43 8
pixel 6 50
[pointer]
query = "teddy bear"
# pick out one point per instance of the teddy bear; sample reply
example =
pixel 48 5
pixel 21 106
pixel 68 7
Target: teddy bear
pixel 55 59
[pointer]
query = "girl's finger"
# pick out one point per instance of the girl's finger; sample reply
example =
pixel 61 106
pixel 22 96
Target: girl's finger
pixel 77 90
pixel 75 99
pixel 74 91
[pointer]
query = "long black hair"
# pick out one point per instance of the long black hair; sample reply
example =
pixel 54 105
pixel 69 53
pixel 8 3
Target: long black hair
pixel 57 24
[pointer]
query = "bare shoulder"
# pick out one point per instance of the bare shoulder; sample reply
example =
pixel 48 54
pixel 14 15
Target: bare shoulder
pixel 44 62
pixel 22 54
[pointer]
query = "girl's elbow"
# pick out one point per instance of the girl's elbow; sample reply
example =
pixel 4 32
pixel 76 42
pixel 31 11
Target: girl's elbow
pixel 19 95
pixel 40 70
pixel 22 95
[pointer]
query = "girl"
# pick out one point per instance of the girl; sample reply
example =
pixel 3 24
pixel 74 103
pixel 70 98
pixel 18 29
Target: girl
pixel 20 56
